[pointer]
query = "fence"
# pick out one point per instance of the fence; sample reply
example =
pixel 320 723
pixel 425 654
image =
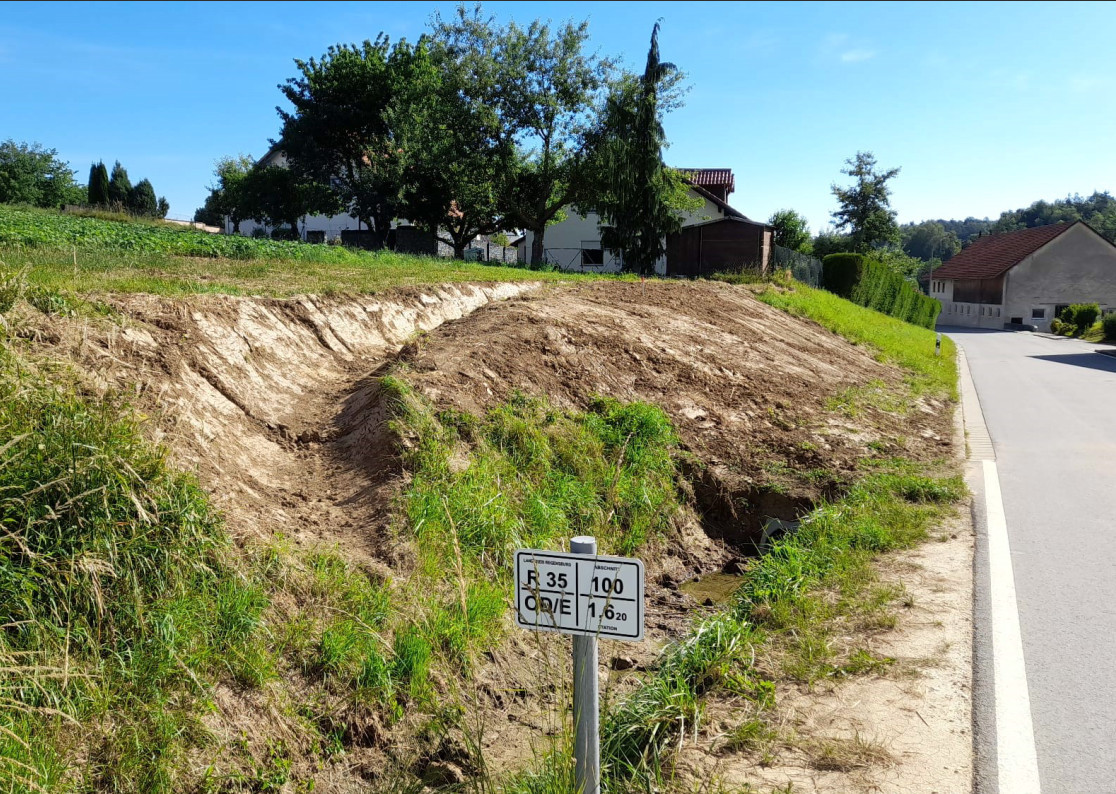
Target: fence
pixel 804 268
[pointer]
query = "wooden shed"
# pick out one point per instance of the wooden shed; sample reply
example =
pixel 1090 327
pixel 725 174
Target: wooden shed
pixel 724 244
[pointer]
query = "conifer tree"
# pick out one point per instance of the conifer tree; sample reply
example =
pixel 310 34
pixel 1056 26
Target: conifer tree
pixel 641 197
pixel 98 185
pixel 142 201
pixel 120 187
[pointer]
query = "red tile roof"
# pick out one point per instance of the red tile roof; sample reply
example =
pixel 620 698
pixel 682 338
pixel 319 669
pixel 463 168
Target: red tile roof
pixel 995 254
pixel 710 177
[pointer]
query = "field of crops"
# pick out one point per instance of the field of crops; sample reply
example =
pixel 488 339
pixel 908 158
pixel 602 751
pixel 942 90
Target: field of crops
pixel 30 228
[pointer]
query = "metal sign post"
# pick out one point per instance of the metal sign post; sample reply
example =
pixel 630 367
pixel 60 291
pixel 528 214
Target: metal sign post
pixel 938 346
pixel 586 705
pixel 588 596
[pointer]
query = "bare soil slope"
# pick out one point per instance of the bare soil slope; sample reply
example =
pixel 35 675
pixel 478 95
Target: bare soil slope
pixel 750 389
pixel 276 404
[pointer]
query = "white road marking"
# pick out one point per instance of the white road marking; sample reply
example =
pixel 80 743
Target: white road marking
pixel 1017 762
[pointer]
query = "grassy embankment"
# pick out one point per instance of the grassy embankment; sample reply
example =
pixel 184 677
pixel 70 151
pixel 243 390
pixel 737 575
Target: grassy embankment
pixel 63 253
pixel 798 604
pixel 129 605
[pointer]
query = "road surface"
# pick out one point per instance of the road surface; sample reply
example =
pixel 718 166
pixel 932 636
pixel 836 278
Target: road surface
pixel 1050 409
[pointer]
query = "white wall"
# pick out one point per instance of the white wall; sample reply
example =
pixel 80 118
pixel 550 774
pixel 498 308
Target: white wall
pixel 970 315
pixel 1077 266
pixel 332 225
pixel 564 241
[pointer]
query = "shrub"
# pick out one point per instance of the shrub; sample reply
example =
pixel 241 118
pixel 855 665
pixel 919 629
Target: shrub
pixel 1082 315
pixel 873 284
pixel 1109 326
pixel 841 273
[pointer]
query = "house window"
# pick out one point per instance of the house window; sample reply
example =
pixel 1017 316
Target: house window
pixel 1038 314
pixel 997 311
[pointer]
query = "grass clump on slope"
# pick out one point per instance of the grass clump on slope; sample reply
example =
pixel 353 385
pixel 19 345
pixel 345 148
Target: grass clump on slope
pixel 894 341
pixel 66 252
pixel 119 600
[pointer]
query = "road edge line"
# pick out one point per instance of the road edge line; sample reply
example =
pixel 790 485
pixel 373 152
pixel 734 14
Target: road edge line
pixel 1016 757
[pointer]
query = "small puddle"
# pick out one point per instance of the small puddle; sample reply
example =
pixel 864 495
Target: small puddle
pixel 715 587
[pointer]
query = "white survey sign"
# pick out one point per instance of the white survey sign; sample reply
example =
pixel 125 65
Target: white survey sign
pixel 579 594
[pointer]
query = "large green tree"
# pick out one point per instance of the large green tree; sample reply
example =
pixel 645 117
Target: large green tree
pixel 637 197
pixel 455 162
pixel 339 133
pixel 276 196
pixel 791 231
pixel 120 186
pixel 142 201
pixel 98 191
pixel 227 197
pixel 544 87
pixel 864 207
pixel 31 174
pixel 929 240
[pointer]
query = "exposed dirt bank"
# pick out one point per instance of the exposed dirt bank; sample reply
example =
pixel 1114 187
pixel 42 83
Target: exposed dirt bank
pixel 276 404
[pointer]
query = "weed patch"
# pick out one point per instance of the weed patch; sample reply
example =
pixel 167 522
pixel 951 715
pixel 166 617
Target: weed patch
pixel 908 345
pixel 121 598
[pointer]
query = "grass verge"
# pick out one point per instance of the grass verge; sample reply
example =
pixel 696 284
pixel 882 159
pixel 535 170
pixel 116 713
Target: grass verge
pixel 894 341
pixel 67 253
pixel 792 604
pixel 120 596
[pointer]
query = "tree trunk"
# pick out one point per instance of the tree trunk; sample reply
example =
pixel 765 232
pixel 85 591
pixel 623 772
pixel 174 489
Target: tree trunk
pixel 537 246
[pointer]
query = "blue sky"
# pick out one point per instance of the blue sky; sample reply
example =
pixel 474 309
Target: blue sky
pixel 985 107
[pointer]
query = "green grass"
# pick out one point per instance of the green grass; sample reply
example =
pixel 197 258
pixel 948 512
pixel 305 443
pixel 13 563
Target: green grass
pixel 534 476
pixel 894 341
pixel 121 599
pixel 73 254
pixel 791 603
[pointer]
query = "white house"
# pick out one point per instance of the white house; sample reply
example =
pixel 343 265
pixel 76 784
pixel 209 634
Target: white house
pixel 1025 277
pixel 726 238
pixel 314 228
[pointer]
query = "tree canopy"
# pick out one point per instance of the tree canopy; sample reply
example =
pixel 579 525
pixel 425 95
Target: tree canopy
pixel 120 186
pixel 929 240
pixel 32 174
pixel 544 89
pixel 98 185
pixel 864 208
pixel 637 196
pixel 791 231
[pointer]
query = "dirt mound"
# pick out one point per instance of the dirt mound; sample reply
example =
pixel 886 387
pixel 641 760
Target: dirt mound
pixel 276 404
pixel 750 389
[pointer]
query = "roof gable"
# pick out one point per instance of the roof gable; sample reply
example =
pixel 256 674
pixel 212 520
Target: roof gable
pixel 723 206
pixel 994 255
pixel 710 177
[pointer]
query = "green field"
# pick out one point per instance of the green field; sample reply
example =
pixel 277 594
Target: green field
pixel 90 255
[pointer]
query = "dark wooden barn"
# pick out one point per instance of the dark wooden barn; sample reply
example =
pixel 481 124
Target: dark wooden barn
pixel 724 244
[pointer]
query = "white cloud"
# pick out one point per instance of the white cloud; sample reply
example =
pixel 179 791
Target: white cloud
pixel 856 56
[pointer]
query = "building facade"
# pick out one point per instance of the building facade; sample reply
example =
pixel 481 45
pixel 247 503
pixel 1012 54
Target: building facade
pixel 575 242
pixel 1025 277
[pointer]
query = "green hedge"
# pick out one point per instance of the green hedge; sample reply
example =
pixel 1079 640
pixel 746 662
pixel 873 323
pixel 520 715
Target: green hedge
pixel 873 284
pixel 1081 315
pixel 1109 326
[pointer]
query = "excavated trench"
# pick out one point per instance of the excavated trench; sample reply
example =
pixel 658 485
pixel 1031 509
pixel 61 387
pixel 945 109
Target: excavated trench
pixel 276 405
pixel 274 402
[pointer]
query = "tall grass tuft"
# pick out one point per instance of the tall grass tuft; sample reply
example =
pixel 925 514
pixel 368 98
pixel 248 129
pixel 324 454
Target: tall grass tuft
pixel 119 598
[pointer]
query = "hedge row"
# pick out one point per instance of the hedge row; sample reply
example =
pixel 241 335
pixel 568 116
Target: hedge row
pixel 873 284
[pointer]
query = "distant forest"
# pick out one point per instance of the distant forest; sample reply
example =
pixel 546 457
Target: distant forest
pixel 940 239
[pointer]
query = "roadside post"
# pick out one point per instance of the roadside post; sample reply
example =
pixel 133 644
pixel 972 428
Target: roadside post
pixel 938 346
pixel 589 596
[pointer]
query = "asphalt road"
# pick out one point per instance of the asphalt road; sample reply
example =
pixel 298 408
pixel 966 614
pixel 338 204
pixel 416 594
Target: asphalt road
pixel 1050 408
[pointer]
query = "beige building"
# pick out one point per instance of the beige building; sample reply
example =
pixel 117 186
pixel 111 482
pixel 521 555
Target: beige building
pixel 1025 277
